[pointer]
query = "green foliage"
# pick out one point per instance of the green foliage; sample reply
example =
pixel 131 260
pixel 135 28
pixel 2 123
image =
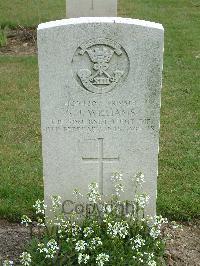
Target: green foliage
pixel 3 36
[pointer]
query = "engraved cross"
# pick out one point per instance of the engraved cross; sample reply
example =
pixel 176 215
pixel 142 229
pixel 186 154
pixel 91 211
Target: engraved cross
pixel 101 160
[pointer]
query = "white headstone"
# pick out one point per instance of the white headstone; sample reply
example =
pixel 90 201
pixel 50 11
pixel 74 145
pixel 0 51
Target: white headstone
pixel 91 8
pixel 100 85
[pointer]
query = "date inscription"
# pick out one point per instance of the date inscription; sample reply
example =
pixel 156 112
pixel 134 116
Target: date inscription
pixel 93 116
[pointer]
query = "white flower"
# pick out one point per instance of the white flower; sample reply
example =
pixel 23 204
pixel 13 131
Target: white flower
pixel 131 217
pixel 77 193
pixel 139 257
pixel 80 257
pixel 39 207
pixel 56 202
pixel 40 247
pixel 118 186
pixel 142 200
pixel 80 245
pixel 116 177
pixel 159 220
pixel 108 208
pixel 150 259
pixel 139 178
pixel 75 229
pixel 95 242
pixel 86 258
pixel 63 226
pixel 151 263
pixel 26 220
pixel 101 258
pixel 175 225
pixel 83 258
pixel 118 229
pixel 50 249
pixel 155 230
pixel 93 194
pixel 40 222
pixel 8 263
pixel 137 242
pixel 88 231
pixel 25 259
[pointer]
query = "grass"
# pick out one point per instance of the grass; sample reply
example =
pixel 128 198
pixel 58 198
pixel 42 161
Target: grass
pixel 3 36
pixel 179 159
pixel 20 146
pixel 30 12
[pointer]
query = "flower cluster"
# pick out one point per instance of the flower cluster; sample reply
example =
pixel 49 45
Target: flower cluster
pixel 8 263
pixel 101 259
pixel 74 229
pixel 117 179
pixel 25 259
pixel 95 242
pixel 39 207
pixel 25 220
pixel 150 259
pixel 80 245
pixel 50 249
pixel 139 178
pixel 77 193
pixel 141 200
pixel 93 194
pixel 88 231
pixel 155 230
pixel 145 258
pixel 56 202
pixel 115 232
pixel 108 208
pixel 118 229
pixel 137 242
pixel 40 222
pixel 83 258
pixel 66 227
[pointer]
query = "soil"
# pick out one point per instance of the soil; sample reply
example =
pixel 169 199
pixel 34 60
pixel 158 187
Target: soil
pixel 21 41
pixel 183 248
pixel 13 238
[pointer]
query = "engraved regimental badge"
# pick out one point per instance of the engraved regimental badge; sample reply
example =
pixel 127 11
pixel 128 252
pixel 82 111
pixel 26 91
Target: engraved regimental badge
pixel 100 65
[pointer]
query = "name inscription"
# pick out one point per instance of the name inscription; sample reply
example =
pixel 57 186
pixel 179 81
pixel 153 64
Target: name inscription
pixel 93 116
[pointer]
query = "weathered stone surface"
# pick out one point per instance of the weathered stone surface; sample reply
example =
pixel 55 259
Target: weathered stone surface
pixel 100 85
pixel 91 8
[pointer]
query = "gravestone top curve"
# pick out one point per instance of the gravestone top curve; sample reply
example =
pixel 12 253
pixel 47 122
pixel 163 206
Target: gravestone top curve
pixel 82 20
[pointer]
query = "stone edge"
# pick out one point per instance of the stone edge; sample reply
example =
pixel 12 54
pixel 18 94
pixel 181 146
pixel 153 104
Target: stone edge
pixel 86 20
